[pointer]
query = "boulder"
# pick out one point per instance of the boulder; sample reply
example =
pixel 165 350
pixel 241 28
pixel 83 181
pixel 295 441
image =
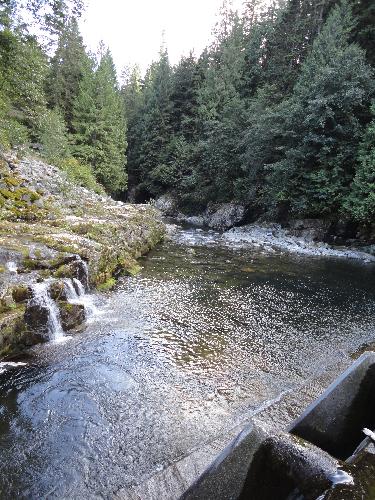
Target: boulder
pixel 37 317
pixel 224 216
pixel 71 315
pixel 75 269
pixel 57 290
pixel 21 293
pixel 310 229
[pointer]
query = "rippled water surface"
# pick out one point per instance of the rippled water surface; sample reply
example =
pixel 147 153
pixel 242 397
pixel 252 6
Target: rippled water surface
pixel 202 338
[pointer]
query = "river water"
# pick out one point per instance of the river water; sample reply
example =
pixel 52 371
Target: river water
pixel 196 343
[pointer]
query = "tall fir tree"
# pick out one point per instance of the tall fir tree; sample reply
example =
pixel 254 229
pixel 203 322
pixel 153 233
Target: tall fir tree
pixel 99 125
pixel 67 68
pixel 321 124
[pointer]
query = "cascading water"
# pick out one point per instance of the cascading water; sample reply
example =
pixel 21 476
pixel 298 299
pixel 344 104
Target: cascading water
pixel 76 294
pixel 12 267
pixel 85 281
pixel 78 287
pixel 42 298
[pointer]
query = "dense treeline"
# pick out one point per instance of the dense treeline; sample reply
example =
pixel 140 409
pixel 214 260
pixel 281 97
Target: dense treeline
pixel 67 106
pixel 275 114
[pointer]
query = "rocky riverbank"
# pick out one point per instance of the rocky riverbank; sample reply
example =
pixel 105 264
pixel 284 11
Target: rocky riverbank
pixel 57 241
pixel 306 236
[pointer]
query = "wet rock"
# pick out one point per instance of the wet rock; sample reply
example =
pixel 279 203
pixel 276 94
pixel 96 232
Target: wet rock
pixel 76 269
pixel 37 317
pixel 57 290
pixel 310 229
pixel 21 293
pixel 71 315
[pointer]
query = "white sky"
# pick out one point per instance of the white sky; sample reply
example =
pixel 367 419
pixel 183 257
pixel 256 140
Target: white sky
pixel 132 29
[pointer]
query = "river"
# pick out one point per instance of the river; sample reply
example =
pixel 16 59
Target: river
pixel 196 343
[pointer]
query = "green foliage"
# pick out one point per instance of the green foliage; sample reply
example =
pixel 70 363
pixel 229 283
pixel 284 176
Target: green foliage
pixel 364 33
pixel 12 133
pixel 275 113
pixel 99 129
pixel 53 136
pixel 320 124
pixel 81 174
pixel 66 71
pixel 360 203
pixel 23 69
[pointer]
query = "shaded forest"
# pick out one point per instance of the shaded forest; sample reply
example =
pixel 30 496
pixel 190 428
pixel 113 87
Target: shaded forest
pixel 277 113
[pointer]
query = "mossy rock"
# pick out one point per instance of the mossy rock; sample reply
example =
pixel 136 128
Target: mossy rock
pixel 21 293
pixel 57 290
pixel 7 302
pixel 107 285
pixel 72 316
pixel 15 337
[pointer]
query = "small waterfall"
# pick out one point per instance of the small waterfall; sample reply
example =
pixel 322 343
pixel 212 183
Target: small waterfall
pixel 85 269
pixel 71 292
pixel 80 289
pixel 76 294
pixel 42 298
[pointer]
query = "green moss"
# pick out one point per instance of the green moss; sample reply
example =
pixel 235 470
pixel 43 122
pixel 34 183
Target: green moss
pixel 21 293
pixel 107 285
pixel 66 306
pixel 63 271
pixel 30 264
pixel 6 193
pixel 12 181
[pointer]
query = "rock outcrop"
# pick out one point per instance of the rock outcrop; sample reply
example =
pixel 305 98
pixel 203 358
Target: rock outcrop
pixel 220 216
pixel 52 230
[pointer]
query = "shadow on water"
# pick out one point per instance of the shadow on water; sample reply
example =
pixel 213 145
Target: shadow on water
pixel 191 347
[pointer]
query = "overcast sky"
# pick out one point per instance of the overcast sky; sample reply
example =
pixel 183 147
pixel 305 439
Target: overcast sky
pixel 133 28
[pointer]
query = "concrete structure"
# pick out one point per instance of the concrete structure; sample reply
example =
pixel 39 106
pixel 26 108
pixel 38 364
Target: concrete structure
pixel 265 460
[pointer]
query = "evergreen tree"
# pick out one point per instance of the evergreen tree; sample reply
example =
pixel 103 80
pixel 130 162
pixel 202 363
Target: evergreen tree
pixel 288 42
pixel 66 71
pixel 154 130
pixel 361 200
pixel 222 112
pixel 364 32
pixel 321 123
pixel 23 68
pixel 99 125
pixel 132 96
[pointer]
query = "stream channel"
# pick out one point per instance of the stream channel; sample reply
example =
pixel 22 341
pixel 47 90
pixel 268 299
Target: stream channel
pixel 203 337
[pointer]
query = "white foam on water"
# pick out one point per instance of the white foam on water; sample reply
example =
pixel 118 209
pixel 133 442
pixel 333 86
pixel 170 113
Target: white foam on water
pixel 267 239
pixel 12 267
pixel 341 477
pixel 42 297
pixel 4 365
